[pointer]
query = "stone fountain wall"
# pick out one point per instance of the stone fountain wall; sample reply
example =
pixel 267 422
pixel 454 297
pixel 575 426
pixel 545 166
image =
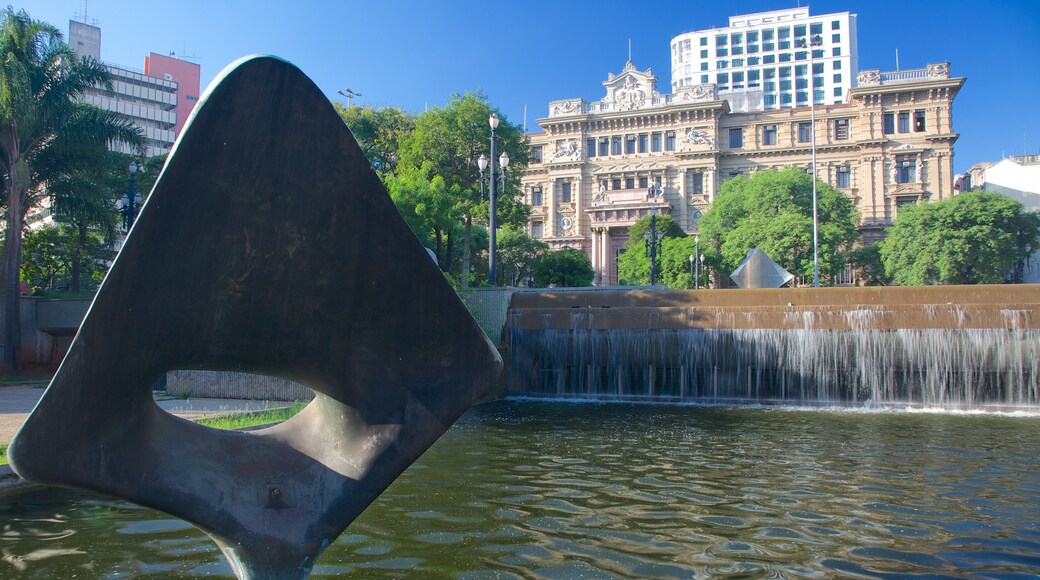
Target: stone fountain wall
pixel 962 346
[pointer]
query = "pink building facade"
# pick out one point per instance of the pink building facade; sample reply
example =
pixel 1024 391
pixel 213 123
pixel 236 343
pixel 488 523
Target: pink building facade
pixel 186 74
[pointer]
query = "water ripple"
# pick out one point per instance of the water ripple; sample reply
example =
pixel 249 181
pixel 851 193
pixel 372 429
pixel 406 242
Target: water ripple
pixel 550 490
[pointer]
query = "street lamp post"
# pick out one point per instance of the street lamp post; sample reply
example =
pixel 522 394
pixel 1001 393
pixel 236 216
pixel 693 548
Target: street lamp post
pixel 809 43
pixel 482 163
pixel 652 241
pixel 696 262
pixel 130 201
pixel 696 259
pixel 349 94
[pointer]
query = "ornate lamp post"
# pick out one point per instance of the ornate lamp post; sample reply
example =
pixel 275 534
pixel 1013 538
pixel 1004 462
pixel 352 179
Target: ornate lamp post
pixel 131 200
pixel 696 262
pixel 482 163
pixel 652 241
pixel 809 43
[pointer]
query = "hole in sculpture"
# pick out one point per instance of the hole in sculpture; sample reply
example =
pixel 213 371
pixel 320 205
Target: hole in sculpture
pixel 232 400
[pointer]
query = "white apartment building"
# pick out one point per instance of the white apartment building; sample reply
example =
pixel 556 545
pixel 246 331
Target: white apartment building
pixel 759 62
pixel 150 102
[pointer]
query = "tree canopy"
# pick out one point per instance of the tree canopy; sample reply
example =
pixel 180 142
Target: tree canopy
pixel 519 255
pixel 53 256
pixel 976 237
pixel 633 263
pixel 447 142
pixel 565 268
pixel 772 211
pixel 45 133
pixel 379 132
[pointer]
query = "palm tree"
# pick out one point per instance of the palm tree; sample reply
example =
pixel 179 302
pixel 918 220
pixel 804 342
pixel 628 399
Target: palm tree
pixel 45 133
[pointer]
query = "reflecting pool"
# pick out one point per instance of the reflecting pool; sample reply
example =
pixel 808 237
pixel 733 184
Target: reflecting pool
pixel 527 489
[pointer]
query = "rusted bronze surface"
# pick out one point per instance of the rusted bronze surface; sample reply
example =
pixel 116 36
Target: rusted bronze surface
pixel 269 246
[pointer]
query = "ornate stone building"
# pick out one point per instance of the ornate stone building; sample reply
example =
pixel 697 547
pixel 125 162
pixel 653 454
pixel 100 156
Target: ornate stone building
pixel 599 166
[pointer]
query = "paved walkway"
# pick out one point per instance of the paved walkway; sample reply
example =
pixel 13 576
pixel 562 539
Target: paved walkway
pixel 16 402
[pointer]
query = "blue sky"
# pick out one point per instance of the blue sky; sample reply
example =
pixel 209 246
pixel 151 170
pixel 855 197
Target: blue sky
pixel 416 54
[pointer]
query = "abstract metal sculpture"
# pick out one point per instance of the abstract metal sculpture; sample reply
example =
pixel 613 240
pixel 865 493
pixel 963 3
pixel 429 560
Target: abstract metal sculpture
pixel 758 270
pixel 268 245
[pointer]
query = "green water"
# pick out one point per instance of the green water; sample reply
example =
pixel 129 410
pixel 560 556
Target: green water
pixel 557 490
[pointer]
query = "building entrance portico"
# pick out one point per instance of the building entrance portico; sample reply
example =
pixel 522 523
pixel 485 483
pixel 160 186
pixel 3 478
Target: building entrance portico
pixel 607 245
pixel 611 214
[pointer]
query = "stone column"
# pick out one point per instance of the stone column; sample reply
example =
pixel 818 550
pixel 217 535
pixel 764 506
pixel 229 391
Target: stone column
pixel 549 226
pixel 684 200
pixel 595 257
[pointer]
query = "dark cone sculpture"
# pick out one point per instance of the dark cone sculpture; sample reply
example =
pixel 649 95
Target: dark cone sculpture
pixel 268 246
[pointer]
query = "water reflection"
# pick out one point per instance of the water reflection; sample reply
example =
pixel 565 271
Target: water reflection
pixel 556 490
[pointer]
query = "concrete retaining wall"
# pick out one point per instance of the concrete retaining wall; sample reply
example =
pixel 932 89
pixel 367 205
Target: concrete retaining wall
pixel 228 385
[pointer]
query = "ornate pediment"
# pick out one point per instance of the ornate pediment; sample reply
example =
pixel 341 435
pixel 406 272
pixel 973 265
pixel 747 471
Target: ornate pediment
pixel 696 93
pixel 907 189
pixel 907 147
pixel 566 107
pixel 631 89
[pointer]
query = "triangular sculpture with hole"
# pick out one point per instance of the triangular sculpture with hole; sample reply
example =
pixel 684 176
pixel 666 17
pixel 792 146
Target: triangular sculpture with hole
pixel 268 246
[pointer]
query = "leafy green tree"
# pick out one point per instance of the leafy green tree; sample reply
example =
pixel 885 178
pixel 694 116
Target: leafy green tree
pixel 379 132
pixel 85 199
pixel 427 206
pixel 51 255
pixel 675 263
pixel 448 141
pixel 45 132
pixel 565 268
pixel 633 263
pixel 867 260
pixel 772 211
pixel 976 237
pixel 519 254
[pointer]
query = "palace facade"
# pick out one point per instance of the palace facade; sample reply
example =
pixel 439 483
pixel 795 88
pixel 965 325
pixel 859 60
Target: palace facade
pixel 599 166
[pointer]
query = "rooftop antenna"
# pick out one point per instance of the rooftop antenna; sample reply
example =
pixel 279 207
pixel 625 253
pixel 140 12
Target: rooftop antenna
pixel 629 50
pixel 525 120
pixel 185 56
pixel 85 17
pixel 897 59
pixel 349 94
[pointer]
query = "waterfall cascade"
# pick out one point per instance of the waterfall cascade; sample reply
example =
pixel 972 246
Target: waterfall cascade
pixel 948 346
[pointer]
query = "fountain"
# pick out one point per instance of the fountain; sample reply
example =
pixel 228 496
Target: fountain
pixel 958 347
